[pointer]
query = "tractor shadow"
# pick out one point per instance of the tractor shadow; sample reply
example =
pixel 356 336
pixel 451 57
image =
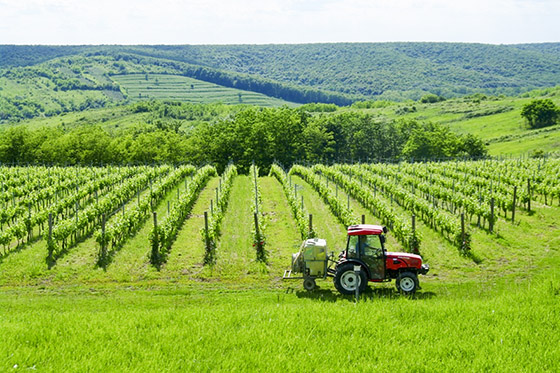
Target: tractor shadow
pixel 391 293
pixel 323 295
pixel 370 294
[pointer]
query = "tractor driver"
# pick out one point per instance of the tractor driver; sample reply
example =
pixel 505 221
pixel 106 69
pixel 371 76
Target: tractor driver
pixel 366 245
pixel 370 245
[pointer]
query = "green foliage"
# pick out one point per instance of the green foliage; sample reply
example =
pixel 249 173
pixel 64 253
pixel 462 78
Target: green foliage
pixel 371 104
pixel 296 207
pixel 122 226
pixel 344 214
pixel 211 235
pixel 251 135
pixel 259 236
pixel 431 98
pixel 66 231
pixel 367 196
pixel 431 140
pixel 164 233
pixel 541 113
pixel 261 135
pixel 437 219
pixel 319 108
pixel 39 200
pixel 405 110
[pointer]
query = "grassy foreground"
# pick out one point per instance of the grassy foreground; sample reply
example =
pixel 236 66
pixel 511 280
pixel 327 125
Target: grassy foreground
pixel 508 326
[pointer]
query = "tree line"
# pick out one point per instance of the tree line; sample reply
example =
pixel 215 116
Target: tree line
pixel 264 136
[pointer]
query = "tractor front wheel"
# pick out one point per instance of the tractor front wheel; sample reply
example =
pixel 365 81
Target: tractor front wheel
pixel 407 283
pixel 345 279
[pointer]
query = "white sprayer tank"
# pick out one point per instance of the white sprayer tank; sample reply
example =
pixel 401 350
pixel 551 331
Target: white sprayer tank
pixel 315 256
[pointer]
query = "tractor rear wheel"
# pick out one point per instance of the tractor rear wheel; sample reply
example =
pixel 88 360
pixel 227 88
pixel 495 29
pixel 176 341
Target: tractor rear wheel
pixel 345 279
pixel 407 283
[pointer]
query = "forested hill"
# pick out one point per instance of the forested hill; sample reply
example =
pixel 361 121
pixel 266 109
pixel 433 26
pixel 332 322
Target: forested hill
pixel 337 73
pixel 385 70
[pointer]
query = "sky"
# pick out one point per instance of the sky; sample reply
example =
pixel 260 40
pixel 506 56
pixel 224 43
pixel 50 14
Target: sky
pixel 62 22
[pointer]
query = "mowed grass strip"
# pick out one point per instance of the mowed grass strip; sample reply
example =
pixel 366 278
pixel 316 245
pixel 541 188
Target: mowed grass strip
pixel 236 256
pixel 282 235
pixel 187 254
pixel 26 265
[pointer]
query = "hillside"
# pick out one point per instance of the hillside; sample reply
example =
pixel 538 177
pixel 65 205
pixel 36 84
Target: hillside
pixel 496 120
pixel 45 80
pixel 77 83
pixel 386 70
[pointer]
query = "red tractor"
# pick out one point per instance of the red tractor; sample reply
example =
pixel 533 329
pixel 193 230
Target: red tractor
pixel 364 260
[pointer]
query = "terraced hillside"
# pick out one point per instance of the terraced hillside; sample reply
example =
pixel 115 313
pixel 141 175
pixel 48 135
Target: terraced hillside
pixel 184 89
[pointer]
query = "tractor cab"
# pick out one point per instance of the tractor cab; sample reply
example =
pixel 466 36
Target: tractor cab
pixel 366 243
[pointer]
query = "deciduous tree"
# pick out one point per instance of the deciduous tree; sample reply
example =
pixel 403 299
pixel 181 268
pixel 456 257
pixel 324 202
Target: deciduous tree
pixel 540 113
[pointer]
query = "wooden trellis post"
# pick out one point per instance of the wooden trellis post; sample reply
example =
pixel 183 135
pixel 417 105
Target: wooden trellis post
pixel 206 234
pixel 491 222
pixel 529 193
pixel 514 202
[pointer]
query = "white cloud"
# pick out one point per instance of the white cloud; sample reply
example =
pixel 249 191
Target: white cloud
pixel 275 21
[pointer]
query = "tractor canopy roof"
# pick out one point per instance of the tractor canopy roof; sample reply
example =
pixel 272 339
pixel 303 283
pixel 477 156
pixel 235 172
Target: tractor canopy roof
pixel 363 229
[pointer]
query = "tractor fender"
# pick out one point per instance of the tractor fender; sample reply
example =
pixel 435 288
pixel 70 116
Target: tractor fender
pixel 364 266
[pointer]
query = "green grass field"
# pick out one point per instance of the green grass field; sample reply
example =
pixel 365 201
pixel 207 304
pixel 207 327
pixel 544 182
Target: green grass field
pixel 181 88
pixel 500 314
pixel 115 117
pixel 491 120
pixel 40 91
pixel 509 325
